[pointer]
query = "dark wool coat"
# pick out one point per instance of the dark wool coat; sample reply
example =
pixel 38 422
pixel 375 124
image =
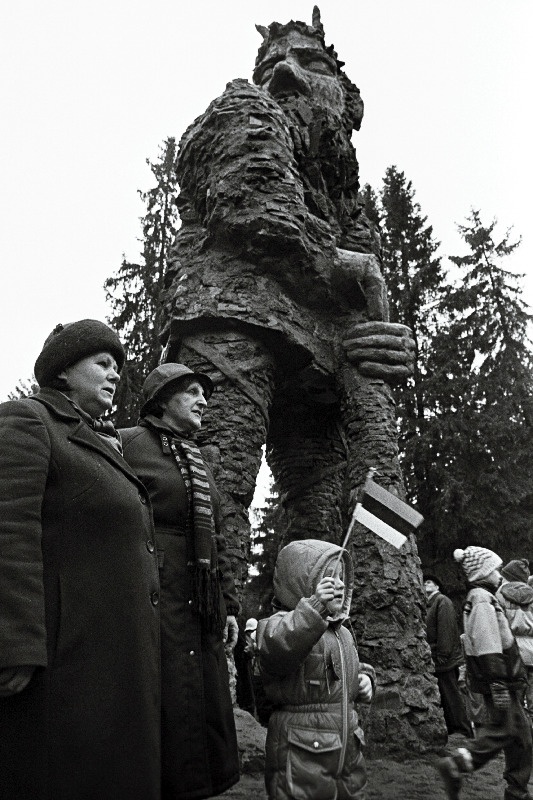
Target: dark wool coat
pixel 78 599
pixel 198 740
pixel 443 633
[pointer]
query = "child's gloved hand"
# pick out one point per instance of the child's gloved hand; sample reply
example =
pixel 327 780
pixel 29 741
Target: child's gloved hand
pixel 365 689
pixel 330 591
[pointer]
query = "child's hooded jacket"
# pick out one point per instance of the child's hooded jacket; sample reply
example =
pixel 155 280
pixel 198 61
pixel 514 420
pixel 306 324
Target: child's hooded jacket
pixel 310 670
pixel 516 599
pixel 491 651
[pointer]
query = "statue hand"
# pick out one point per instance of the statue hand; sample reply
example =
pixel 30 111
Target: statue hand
pixel 381 350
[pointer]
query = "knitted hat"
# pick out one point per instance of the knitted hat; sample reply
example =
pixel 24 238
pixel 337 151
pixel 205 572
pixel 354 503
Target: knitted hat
pixel 517 570
pixel 164 374
pixel 477 562
pixel 68 344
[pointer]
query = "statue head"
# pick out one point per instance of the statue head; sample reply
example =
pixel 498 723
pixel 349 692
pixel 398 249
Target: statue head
pixel 293 60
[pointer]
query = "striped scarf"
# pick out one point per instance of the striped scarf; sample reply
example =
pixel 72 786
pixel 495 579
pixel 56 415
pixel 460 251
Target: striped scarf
pixel 201 544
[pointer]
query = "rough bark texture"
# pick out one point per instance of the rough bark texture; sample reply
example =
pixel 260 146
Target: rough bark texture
pixel 275 290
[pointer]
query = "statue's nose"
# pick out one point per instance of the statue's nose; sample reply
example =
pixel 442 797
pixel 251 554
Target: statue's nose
pixel 287 78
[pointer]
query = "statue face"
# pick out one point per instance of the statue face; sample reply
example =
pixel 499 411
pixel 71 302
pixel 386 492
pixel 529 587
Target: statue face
pixel 296 64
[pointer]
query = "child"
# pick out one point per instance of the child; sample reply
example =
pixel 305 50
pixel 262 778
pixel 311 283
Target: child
pixel 496 671
pixel 311 673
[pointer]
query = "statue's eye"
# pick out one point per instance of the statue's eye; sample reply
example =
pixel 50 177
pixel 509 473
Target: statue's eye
pixel 319 67
pixel 266 74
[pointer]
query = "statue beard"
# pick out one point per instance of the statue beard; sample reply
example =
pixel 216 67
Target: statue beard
pixel 323 152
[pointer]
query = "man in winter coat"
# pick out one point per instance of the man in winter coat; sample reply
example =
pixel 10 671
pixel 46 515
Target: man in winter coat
pixel 443 639
pixel 311 673
pixel 496 671
pixel 516 598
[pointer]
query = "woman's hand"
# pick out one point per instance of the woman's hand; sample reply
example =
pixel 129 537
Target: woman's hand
pixel 365 689
pixel 14 679
pixel 231 633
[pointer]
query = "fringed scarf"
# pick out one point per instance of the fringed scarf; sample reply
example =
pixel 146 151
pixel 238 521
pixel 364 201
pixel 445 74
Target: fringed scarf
pixel 201 544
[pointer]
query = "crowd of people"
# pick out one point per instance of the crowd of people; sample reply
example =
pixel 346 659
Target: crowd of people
pixel 118 608
pixel 494 710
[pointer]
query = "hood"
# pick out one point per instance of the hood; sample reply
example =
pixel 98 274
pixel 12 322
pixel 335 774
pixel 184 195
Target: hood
pixel 301 565
pixel 517 592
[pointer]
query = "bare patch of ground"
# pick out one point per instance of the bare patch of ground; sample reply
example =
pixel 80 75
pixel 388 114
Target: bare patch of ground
pixel 391 780
pixel 413 779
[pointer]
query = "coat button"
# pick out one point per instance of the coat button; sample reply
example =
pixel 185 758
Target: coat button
pixel 190 602
pixel 191 653
pixel 150 546
pixel 316 745
pixel 142 498
pixel 154 597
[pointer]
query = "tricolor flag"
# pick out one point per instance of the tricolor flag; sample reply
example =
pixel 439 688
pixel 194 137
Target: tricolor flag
pixel 384 514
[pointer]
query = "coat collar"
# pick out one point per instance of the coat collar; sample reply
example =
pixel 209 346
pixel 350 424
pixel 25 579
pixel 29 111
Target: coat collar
pixel 81 433
pixel 432 599
pixel 57 403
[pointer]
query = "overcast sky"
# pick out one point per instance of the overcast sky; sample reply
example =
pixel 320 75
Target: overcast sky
pixel 89 90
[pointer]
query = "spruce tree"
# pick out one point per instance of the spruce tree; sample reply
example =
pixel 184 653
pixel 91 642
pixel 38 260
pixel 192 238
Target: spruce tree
pixel 268 525
pixel 414 276
pixel 135 291
pixel 479 387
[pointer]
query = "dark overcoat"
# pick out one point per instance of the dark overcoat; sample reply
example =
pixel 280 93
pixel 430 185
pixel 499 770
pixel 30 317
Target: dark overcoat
pixel 198 740
pixel 79 598
pixel 443 633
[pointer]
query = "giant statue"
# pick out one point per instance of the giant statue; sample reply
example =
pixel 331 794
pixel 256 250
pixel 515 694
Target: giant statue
pixel 275 290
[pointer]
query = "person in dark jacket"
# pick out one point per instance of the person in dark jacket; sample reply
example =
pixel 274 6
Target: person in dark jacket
pixel 312 675
pixel 79 614
pixel 516 598
pixel 496 671
pixel 198 599
pixel 445 644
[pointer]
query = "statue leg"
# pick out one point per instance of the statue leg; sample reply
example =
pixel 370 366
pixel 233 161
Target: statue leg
pixel 235 425
pixel 388 610
pixel 307 455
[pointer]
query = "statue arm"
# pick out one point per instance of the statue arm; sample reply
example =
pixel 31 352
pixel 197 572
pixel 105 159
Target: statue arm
pixel 378 348
pixel 238 176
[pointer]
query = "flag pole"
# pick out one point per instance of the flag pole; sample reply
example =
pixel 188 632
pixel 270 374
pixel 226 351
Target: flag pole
pixel 370 474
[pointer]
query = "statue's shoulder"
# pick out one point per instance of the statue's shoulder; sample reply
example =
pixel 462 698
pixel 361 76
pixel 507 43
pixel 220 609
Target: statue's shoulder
pixel 239 97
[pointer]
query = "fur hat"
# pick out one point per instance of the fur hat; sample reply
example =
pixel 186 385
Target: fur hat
pixel 517 570
pixel 477 562
pixel 164 374
pixel 428 576
pixel 68 344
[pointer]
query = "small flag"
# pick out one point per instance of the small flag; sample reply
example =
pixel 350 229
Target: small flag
pixel 386 515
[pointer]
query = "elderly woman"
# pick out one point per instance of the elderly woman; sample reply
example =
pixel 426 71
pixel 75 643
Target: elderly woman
pixel 79 592
pixel 199 749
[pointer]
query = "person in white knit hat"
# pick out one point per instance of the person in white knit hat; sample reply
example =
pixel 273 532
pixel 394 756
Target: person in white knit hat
pixel 496 671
